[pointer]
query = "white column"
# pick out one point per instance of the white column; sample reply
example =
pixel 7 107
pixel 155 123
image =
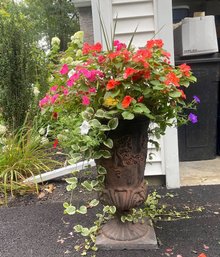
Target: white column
pixel 102 9
pixel 164 25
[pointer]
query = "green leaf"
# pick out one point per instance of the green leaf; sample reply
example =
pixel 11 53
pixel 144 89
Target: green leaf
pixel 118 65
pixel 143 107
pixel 86 115
pixel 175 94
pixel 104 128
pixel 106 154
pixel 112 209
pixel 155 82
pixel 90 110
pixel 123 218
pixel 93 229
pixel 65 205
pixel 106 208
pixel 128 115
pixel 82 210
pixel 95 123
pixel 100 113
pixel 78 228
pixel 193 79
pixel 71 187
pixel 102 170
pixel 97 155
pixel 87 185
pixel 70 210
pixel 85 232
pixel 94 203
pixel 112 94
pixel 113 123
pixel 159 87
pixel 108 143
pixel 71 180
pixel 138 109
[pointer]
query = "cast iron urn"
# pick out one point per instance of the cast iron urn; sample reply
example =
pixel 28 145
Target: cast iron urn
pixel 125 187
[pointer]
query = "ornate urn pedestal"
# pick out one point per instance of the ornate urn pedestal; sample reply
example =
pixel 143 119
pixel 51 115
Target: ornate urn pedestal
pixel 125 187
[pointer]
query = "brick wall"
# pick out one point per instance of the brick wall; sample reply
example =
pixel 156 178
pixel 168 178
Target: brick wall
pixel 86 23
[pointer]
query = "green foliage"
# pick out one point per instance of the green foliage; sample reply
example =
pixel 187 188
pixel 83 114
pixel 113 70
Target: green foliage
pixel 22 65
pixel 22 155
pixel 52 18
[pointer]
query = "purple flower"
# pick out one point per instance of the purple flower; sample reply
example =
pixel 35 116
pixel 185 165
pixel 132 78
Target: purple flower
pixel 193 118
pixel 196 98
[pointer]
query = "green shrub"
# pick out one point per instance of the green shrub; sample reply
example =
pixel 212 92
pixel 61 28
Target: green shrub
pixel 22 65
pixel 23 155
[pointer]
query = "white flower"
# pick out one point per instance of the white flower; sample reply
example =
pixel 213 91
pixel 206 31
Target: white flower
pixel 36 91
pixel 77 37
pixel 44 140
pixel 42 131
pixel 3 129
pixel 84 128
pixel 55 41
pixel 51 78
pixel 70 73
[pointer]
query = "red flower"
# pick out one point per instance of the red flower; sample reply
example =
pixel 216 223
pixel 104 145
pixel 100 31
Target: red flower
pixel 113 55
pixel 126 101
pixel 141 99
pixel 112 84
pixel 129 72
pixel 147 74
pixel 185 69
pixel 155 42
pixel 101 59
pixel 183 95
pixel 55 115
pixel 55 143
pixel 87 48
pixel 171 78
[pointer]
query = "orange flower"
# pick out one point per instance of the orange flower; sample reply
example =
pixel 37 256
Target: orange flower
pixel 185 69
pixel 112 84
pixel 171 78
pixel 202 255
pixel 126 101
pixel 129 72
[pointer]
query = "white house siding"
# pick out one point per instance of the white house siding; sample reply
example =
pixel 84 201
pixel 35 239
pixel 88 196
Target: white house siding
pixel 134 15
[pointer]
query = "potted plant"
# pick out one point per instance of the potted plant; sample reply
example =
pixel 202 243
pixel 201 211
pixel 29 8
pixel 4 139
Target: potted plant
pixel 102 104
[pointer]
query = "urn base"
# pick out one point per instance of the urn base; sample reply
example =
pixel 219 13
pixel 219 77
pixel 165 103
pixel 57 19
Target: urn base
pixel 127 236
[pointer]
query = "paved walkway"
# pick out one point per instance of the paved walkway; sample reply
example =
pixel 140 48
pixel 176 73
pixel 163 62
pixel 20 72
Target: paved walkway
pixel 41 229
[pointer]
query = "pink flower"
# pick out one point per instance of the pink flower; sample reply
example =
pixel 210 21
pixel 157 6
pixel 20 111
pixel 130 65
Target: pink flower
pixel 118 45
pixel 72 79
pixel 54 98
pixel 85 100
pixel 92 90
pixel 54 88
pixel 44 101
pixel 64 70
pixel 91 74
pixel 65 91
